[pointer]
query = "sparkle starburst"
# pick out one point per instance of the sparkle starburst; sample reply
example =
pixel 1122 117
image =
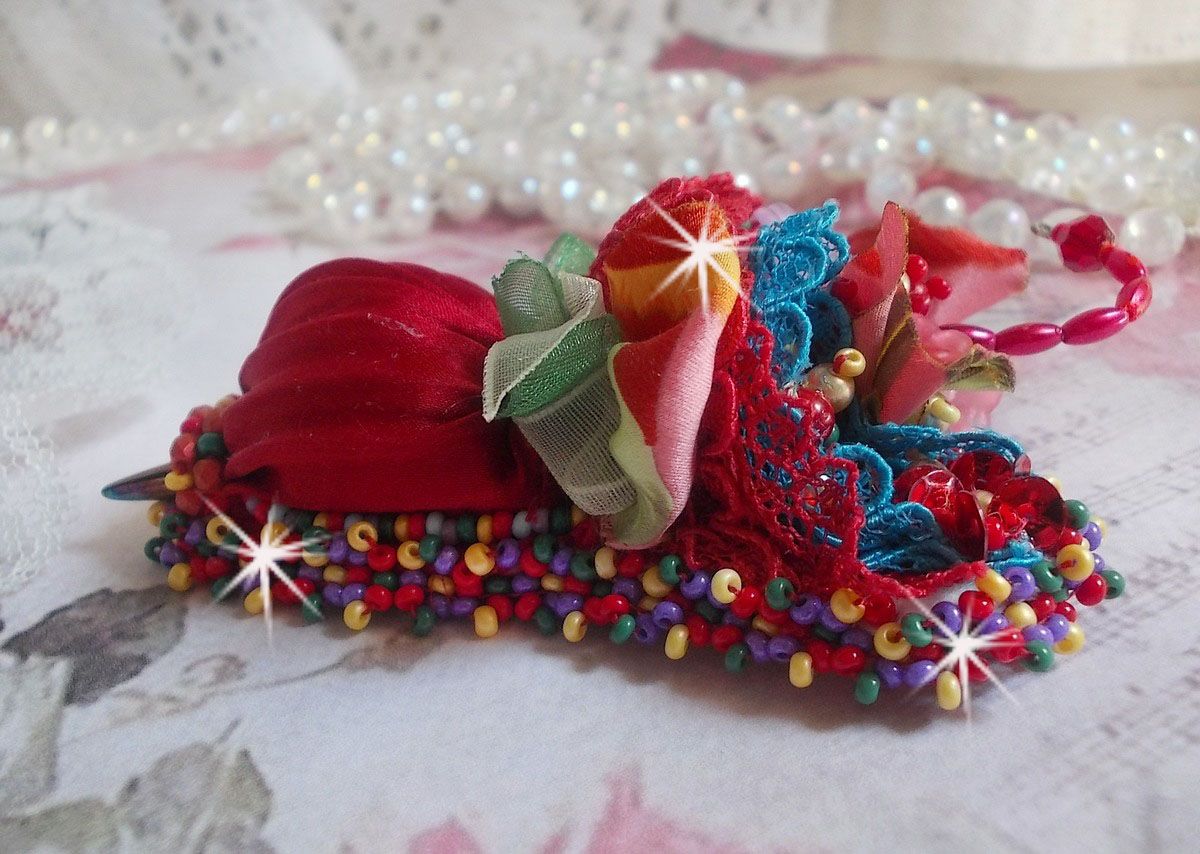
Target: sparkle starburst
pixel 963 651
pixel 264 556
pixel 701 251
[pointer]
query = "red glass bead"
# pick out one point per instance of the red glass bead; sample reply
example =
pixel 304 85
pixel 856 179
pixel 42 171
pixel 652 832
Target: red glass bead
pixel 938 288
pixel 408 596
pixel 920 300
pixel 1042 605
pixel 527 605
pixel 996 535
pixel 503 607
pixel 723 637
pixel 976 605
pixel 1025 339
pixel 1124 266
pixel 878 609
pixel 1068 537
pixel 975 673
pixel 745 605
pixel 985 338
pixel 1134 298
pixel 1033 499
pixel 530 565
pixel 216 566
pixel 1066 609
pixel 194 422
pixel 1081 241
pixel 381 557
pixel 699 631
pixel 1092 590
pixel 771 615
pixel 848 660
pixel 822 655
pixel 982 470
pixel 917 268
pixel 1093 325
pixel 306 586
pixel 378 598
pixel 357 575
pixel 631 564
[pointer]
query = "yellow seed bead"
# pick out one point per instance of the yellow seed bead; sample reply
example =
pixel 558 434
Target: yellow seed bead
pixel 479 559
pixel 321 520
pixel 849 363
pixel 552 583
pixel 179 578
pixel 949 691
pixel 574 626
pixel 317 559
pixel 487 622
pixel 800 670
pixel 726 584
pixel 769 629
pixel 1075 562
pixel 890 642
pixel 408 555
pixel 334 574
pixel 177 482
pixel 356 616
pixel 676 646
pixel 653 583
pixel 995 585
pixel 483 529
pixel 274 532
pixel 647 603
pixel 400 527
pixel 944 410
pixel 361 536
pixel 1102 525
pixel 1055 481
pixel 606 562
pixel 1020 614
pixel 253 603
pixel 847 605
pixel 1073 642
pixel 216 530
pixel 155 512
pixel 577 515
pixel 441 584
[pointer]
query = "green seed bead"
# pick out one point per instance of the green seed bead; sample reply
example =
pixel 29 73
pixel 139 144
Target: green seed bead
pixel 301 519
pixel 1077 513
pixel 668 569
pixel 205 549
pixel 622 629
pixel 1048 581
pixel 388 579
pixel 1061 595
pixel 423 624
pixel 835 435
pixel 560 520
pixel 219 587
pixel 914 630
pixel 153 547
pixel 736 658
pixel 172 525
pixel 429 547
pixel 543 547
pixel 546 622
pixel 583 566
pixel 316 539
pixel 1041 656
pixel 210 445
pixel 708 611
pixel 825 634
pixel 310 608
pixel 601 587
pixel 1116 583
pixel 496 584
pixel 466 527
pixel 780 593
pixel 866 688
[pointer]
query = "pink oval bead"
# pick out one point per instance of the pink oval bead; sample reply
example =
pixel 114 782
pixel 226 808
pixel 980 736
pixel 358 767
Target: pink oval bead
pixel 1028 338
pixel 983 337
pixel 1095 324
pixel 1134 298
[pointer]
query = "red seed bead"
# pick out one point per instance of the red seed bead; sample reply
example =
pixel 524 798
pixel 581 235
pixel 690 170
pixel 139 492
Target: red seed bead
pixel 206 474
pixel 408 597
pixel 1042 605
pixel 772 616
pixel 1067 610
pixel 1091 590
pixel 381 557
pixel 416 526
pixel 466 583
pixel 194 423
pixel 282 595
pixel 723 637
pixel 215 567
pixel 631 564
pixel 822 655
pixel 306 586
pixel 976 605
pixel 502 605
pixel 929 652
pixel 745 605
pixel 1025 339
pixel 1134 298
pixel 1093 325
pixel 530 565
pixel 975 673
pixel 357 575
pixel 699 630
pixel 615 606
pixel 593 609
pixel 502 524
pixel 917 269
pixel 1124 266
pixel 183 448
pixel 848 660
pixel 938 287
pixel 570 584
pixel 1081 242
pixel 878 609
pixel 378 598
pixel 1007 645
pixel 527 605
pixel 983 337
pixel 189 502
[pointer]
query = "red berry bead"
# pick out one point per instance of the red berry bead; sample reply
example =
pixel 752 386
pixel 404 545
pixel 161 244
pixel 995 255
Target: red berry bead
pixel 1066 609
pixel 976 605
pixel 920 299
pixel 917 269
pixel 938 287
pixel 1042 605
pixel 745 605
pixel 408 596
pixel 878 609
pixel 1092 590
pixel 1081 242
pixel 848 660
pixel 378 597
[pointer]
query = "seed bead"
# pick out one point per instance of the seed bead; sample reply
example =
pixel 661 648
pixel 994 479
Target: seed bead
pixel 849 363
pixel 1072 642
pixel 846 605
pixel 1075 562
pixel 780 593
pixel 361 536
pixel 890 642
pixel 155 513
pixel 949 691
pixel 356 615
pixel 179 578
pixel 606 562
pixel 483 529
pixel 487 621
pixel 725 585
pixel 1020 614
pixel 334 574
pixel 177 482
pixel 253 602
pixel 216 530
pixel 800 669
pixel 653 584
pixel 995 585
pixel 408 554
pixel 574 626
pixel 676 645
pixel 479 559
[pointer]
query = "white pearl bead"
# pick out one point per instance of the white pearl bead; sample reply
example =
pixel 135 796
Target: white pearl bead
pixel 785 121
pixel 410 214
pixel 782 176
pixel 464 199
pixel 941 206
pixel 1154 235
pixel 1003 222
pixel 1178 140
pixel 519 195
pixel 909 110
pixel 848 116
pixel 10 149
pixel 890 182
pixel 43 134
pixel 1116 192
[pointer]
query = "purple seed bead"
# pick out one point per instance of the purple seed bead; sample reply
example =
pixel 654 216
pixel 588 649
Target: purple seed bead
pixel 463 606
pixel 440 605
pixel 449 531
pixel 949 614
pixel 540 521
pixel 667 614
pixel 1091 533
pixel 630 588
pixel 806 611
pixel 1058 626
pixel 756 642
pixel 732 619
pixel 890 673
pixel 1069 584
pixel 332 594
pixel 170 554
pixel 507 553
pixel 1037 632
pixel 560 564
pixel 338 548
pixel 829 621
pixel 1023 584
pixel 695 585
pixel 444 563
pixel 312 573
pixel 1100 564
pixel 645 631
pixel 194 534
pixel 566 603
pixel 918 673
pixel 250 582
pixel 357 558
pixel 992 623
pixel 352 593
pixel 860 638
pixel 782 647
pixel 413 576
pixel 522 584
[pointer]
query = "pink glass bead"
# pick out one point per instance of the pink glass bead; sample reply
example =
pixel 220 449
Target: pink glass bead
pixel 1081 242
pixel 1028 338
pixel 1134 298
pixel 1094 325
pixel 1124 266
pixel 983 337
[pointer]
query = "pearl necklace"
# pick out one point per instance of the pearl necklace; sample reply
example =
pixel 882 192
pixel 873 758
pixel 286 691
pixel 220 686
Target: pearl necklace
pixel 577 143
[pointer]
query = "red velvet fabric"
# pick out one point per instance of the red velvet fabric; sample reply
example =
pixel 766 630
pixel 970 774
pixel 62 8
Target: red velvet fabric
pixel 364 395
